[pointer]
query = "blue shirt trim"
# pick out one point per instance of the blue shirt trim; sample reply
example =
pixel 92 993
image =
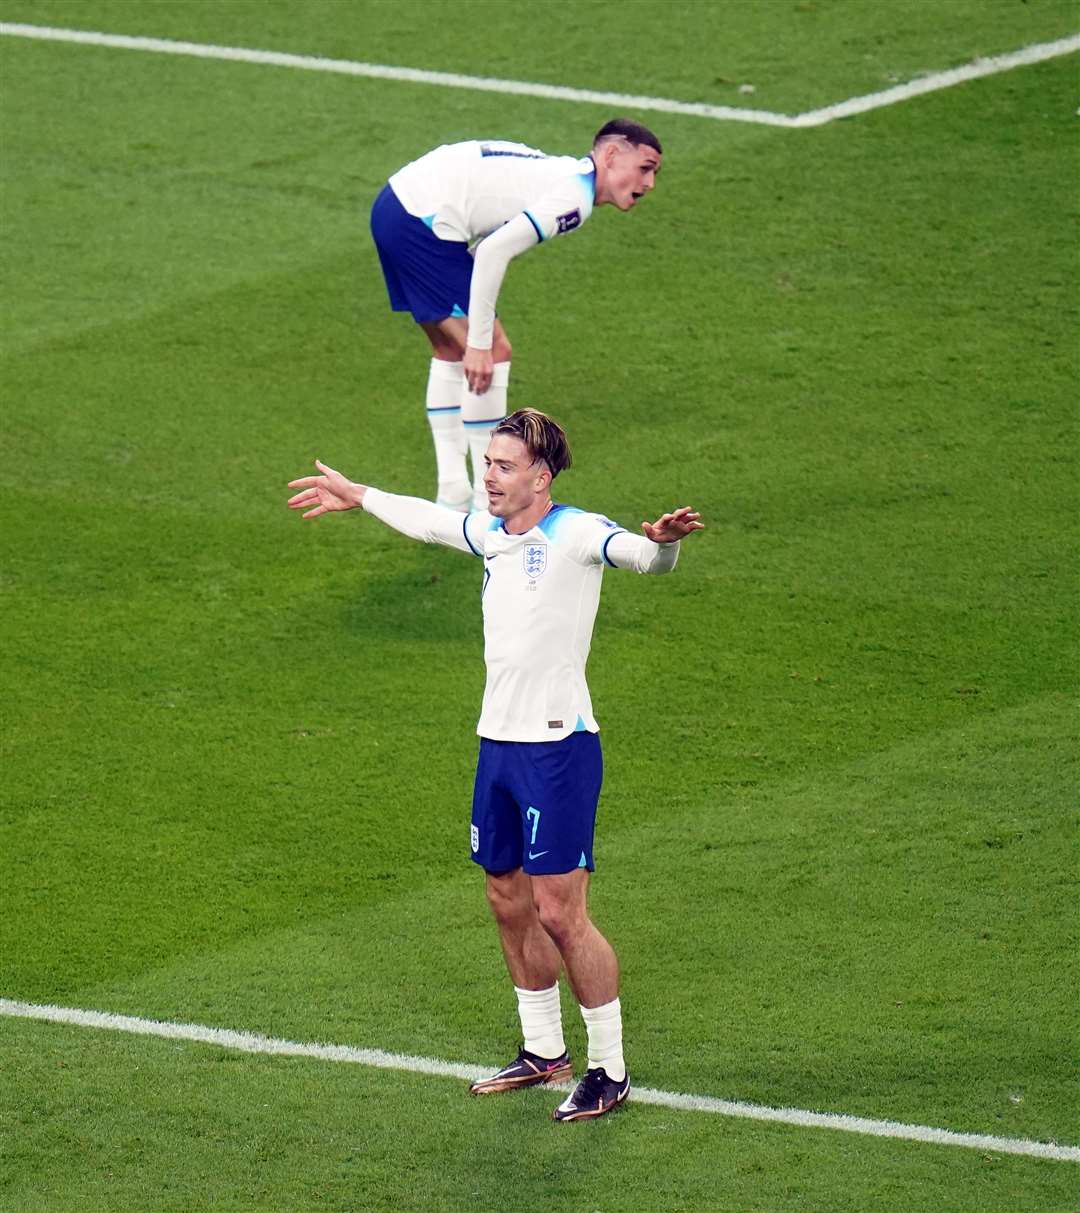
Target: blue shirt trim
pixel 486 152
pixel 603 551
pixel 465 532
pixel 536 227
pixel 554 516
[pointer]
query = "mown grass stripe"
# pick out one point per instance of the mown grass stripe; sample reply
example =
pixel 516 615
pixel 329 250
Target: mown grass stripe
pixel 250 1042
pixel 931 82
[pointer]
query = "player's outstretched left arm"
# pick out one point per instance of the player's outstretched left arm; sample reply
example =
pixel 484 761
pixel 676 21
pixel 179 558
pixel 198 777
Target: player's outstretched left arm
pixel 670 528
pixel 326 493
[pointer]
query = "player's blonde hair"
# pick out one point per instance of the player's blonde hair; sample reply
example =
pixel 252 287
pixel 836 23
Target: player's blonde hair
pixel 544 438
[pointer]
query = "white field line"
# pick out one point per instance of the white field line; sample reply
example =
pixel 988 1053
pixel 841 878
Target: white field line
pixel 620 101
pixel 938 80
pixel 249 1042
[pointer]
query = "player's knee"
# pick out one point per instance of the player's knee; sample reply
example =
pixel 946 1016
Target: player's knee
pixel 507 897
pixel 562 920
pixel 501 350
pixel 447 350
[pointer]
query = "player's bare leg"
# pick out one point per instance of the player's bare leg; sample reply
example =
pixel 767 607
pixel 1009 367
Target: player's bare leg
pixel 479 411
pixel 531 957
pixel 593 971
pixel 534 964
pixel 591 965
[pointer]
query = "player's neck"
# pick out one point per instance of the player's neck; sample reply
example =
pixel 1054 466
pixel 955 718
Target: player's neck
pixel 524 521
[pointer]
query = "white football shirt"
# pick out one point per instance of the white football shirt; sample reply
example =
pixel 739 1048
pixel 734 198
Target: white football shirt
pixel 464 191
pixel 501 197
pixel 540 591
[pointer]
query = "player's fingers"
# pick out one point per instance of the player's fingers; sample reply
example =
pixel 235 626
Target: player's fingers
pixel 319 509
pixel 303 483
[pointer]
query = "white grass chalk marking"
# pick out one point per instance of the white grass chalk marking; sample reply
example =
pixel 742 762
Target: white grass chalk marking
pixel 410 75
pixel 939 80
pixel 553 92
pixel 249 1042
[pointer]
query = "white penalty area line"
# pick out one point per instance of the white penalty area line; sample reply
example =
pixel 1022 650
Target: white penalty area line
pixel 249 1042
pixel 928 83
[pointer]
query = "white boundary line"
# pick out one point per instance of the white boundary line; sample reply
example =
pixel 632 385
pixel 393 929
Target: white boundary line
pixel 622 101
pixel 248 1042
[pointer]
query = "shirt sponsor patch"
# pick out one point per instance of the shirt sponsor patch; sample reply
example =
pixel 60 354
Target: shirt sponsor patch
pixel 555 724
pixel 569 221
pixel 534 557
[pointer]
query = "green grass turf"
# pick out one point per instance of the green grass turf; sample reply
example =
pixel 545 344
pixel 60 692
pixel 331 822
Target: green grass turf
pixel 838 840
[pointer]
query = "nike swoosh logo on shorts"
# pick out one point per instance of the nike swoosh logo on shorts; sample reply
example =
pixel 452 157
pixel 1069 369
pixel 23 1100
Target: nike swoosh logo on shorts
pixel 538 854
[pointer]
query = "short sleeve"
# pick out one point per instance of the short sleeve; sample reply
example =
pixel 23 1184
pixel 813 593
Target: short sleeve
pixel 564 208
pixel 588 536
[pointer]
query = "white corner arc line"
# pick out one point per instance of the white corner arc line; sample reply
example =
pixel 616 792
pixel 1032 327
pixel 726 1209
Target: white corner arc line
pixel 249 1042
pixel 553 92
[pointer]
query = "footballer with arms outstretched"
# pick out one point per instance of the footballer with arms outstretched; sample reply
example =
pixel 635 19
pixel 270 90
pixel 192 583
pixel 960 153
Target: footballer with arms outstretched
pixel 539 770
pixel 447 225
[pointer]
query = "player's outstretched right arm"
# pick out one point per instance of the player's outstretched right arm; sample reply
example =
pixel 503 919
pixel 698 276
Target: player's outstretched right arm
pixel 423 520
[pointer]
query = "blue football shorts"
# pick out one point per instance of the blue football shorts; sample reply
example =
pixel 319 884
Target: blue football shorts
pixel 534 804
pixel 424 275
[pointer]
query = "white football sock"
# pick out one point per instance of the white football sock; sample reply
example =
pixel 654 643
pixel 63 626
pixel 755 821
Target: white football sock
pixel 480 414
pixel 604 1026
pixel 446 383
pixel 541 1021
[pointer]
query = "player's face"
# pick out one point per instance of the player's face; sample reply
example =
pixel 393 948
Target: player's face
pixel 630 173
pixel 513 482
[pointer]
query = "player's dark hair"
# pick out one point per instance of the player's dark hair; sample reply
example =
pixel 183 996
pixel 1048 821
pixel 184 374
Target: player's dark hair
pixel 543 438
pixel 632 132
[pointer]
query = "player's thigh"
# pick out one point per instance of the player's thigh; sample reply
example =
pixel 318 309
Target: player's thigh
pixel 449 336
pixel 510 895
pixel 561 901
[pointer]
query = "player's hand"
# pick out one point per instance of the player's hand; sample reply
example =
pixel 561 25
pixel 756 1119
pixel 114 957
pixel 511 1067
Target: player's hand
pixel 325 493
pixel 478 366
pixel 669 528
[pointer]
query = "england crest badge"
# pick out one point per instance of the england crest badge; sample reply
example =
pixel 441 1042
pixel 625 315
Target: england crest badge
pixel 535 559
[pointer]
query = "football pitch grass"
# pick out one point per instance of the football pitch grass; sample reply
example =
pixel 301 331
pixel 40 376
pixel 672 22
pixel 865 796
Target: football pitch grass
pixel 837 847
